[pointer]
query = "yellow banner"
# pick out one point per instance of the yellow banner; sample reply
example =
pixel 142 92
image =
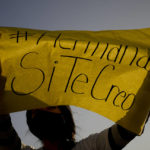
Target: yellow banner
pixel 103 71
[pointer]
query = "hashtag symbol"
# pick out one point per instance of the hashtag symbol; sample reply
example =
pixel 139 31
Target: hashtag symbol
pixel 20 35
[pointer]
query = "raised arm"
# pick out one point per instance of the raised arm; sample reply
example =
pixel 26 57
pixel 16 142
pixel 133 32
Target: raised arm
pixel 119 137
pixel 9 139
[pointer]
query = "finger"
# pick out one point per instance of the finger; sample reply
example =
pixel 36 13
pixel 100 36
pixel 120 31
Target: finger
pixel 2 83
pixel 0 68
pixel 148 117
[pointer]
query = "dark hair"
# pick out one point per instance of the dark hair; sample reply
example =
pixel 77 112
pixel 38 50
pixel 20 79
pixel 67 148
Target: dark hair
pixel 53 127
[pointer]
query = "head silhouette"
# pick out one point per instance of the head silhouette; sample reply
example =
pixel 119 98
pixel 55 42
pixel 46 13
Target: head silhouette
pixel 54 124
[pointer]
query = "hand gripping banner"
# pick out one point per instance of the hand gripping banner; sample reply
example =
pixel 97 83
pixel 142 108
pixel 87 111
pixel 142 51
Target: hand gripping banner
pixel 103 71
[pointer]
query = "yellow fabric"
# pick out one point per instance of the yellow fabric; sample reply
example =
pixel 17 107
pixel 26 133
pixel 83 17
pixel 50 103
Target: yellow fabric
pixel 103 71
